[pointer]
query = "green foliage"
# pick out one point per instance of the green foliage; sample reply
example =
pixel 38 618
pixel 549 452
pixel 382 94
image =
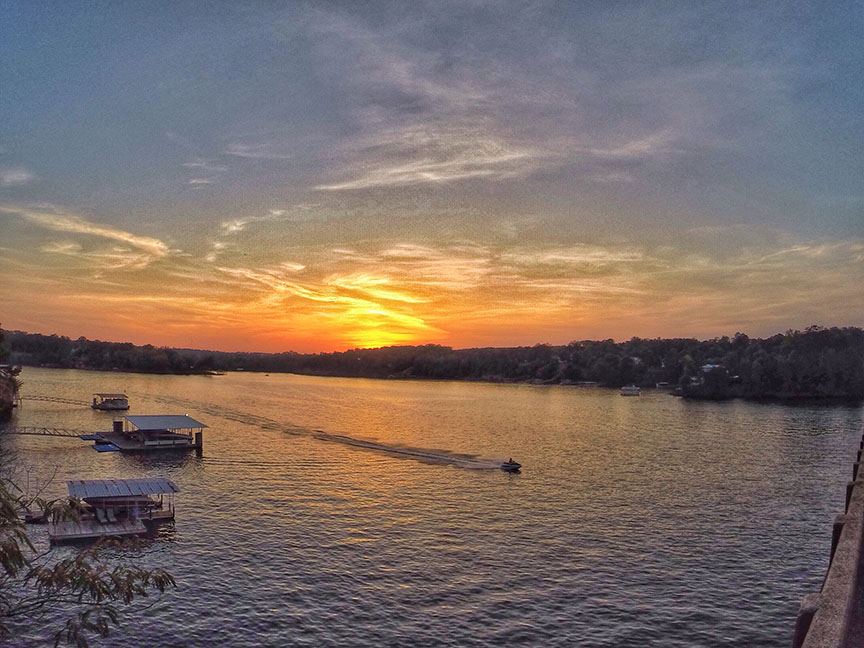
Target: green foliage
pixel 815 363
pixel 88 585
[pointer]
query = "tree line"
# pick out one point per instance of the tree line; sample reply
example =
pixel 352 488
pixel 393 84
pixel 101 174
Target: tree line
pixel 815 363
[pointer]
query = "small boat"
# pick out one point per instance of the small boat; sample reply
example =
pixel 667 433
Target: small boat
pixel 511 466
pixel 110 402
pixel 630 390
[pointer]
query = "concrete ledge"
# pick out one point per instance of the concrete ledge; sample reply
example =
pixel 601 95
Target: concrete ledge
pixel 809 607
pixel 834 617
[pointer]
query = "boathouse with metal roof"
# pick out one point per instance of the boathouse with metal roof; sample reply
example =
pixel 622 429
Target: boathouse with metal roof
pixel 152 432
pixel 115 507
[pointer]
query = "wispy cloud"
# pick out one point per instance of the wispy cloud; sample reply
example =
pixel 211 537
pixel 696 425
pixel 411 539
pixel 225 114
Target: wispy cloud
pixel 216 248
pixel 422 115
pixel 261 151
pixel 63 222
pixel 61 247
pixel 610 177
pixel 135 252
pixel 291 266
pixel 582 255
pixel 112 258
pixel 410 251
pixel 348 255
pixel 651 145
pixel 281 286
pixel 15 177
pixel 417 118
pixel 426 155
pixel 430 269
pixel 363 308
pixel 205 166
pixel 297 214
pixel 374 286
pixel 203 172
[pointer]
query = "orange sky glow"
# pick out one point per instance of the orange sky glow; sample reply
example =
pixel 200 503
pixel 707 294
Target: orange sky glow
pixel 314 177
pixel 101 282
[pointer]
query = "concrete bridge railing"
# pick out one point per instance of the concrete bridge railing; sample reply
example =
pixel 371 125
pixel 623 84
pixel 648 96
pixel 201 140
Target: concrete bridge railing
pixel 834 617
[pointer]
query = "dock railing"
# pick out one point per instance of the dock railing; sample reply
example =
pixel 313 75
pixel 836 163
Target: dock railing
pixel 185 441
pixel 834 617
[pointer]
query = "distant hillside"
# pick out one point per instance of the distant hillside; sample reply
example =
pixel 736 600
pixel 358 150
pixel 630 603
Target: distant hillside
pixel 815 363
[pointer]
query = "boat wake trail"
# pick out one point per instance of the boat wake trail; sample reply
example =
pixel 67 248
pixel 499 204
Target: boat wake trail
pixel 426 455
pixel 421 454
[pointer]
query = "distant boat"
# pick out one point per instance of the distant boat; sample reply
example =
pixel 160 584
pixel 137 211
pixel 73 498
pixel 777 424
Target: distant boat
pixel 110 402
pixel 511 466
pixel 630 390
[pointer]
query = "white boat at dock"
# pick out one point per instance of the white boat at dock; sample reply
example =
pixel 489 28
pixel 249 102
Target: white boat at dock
pixel 110 402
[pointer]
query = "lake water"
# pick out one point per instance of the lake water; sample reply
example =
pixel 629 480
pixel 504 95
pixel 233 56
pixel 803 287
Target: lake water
pixel 645 521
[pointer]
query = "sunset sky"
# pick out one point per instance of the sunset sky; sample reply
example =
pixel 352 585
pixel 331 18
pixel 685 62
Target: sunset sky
pixel 319 176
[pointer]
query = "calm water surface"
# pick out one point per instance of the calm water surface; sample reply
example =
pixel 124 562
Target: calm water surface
pixel 643 521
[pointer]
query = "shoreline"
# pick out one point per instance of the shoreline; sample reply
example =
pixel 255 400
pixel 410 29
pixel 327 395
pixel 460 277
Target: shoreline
pixel 765 399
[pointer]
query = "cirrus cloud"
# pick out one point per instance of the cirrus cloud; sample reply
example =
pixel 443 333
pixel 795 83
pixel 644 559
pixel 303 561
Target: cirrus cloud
pixel 15 177
pixel 148 248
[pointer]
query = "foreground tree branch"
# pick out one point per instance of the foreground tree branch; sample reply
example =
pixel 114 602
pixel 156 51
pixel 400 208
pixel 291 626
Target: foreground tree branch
pixel 89 586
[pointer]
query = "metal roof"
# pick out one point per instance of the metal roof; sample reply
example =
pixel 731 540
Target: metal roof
pixel 164 422
pixel 83 488
pixel 110 395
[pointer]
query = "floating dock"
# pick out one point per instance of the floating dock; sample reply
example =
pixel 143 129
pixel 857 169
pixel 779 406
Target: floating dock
pixel 145 433
pixel 69 530
pixel 116 508
pixel 132 434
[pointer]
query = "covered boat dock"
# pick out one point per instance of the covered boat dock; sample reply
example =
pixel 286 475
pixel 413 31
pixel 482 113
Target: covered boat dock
pixel 152 432
pixel 116 507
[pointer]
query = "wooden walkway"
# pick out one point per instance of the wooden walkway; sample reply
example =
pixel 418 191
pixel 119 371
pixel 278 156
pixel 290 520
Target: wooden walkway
pixel 54 399
pixel 43 431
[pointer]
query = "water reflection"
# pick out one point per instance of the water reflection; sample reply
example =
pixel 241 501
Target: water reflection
pixel 153 462
pixel 643 521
